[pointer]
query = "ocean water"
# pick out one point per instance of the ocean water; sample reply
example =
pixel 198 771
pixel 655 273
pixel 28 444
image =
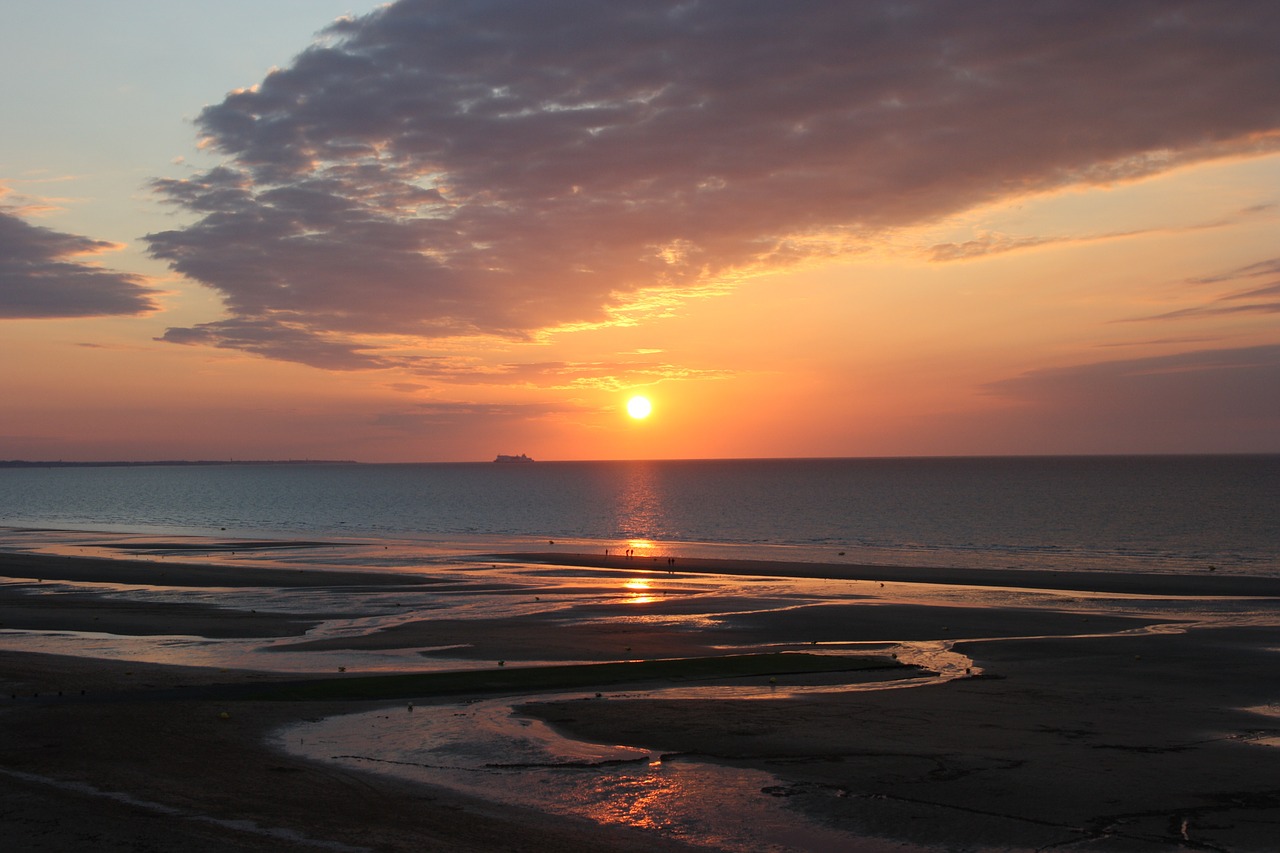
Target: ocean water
pixel 1143 513
pixel 1140 513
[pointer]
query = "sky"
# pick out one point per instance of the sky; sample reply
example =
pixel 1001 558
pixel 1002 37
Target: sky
pixel 440 231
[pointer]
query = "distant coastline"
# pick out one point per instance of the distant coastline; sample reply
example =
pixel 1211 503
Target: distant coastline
pixel 1046 457
pixel 22 463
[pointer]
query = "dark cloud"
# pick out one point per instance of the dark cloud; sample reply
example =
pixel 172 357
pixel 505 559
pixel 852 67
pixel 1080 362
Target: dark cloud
pixel 444 168
pixel 1222 392
pixel 38 279
pixel 283 342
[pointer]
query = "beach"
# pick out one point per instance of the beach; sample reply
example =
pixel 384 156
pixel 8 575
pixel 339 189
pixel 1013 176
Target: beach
pixel 1096 713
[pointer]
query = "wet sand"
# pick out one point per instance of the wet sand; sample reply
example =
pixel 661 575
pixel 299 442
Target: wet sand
pixel 1134 743
pixel 1098 734
pixel 189 574
pixel 1209 582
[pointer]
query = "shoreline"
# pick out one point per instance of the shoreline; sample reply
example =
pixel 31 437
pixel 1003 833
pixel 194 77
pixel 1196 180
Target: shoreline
pixel 1102 723
pixel 185 570
pixel 188 573
pixel 1122 583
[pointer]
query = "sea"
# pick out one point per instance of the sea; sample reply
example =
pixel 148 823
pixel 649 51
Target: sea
pixel 1100 513
pixel 1141 513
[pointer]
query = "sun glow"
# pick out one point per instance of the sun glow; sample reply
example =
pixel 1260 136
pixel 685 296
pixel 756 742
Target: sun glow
pixel 639 407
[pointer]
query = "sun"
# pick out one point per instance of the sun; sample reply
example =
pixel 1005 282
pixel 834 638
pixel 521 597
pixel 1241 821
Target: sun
pixel 639 407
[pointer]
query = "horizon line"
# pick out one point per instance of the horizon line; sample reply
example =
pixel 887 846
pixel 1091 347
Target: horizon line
pixel 119 463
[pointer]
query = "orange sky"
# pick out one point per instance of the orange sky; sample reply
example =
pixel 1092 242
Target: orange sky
pixel 1042 237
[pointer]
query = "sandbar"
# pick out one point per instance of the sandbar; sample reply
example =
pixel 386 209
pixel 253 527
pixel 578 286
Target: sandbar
pixel 1207 583
pixel 177 573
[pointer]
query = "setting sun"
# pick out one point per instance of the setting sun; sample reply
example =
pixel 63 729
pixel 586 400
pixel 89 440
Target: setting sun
pixel 639 407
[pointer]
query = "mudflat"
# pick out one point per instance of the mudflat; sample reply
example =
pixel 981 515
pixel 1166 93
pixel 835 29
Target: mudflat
pixel 1115 730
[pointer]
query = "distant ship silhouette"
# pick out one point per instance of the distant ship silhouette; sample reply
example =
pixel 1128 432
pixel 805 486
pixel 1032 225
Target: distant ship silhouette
pixel 520 458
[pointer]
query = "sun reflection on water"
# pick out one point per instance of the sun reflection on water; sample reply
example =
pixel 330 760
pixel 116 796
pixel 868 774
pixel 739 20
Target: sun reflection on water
pixel 640 504
pixel 638 801
pixel 639 591
pixel 640 547
pixel 484 749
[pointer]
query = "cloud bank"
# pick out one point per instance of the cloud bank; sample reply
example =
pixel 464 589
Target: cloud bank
pixel 1221 398
pixel 437 168
pixel 39 279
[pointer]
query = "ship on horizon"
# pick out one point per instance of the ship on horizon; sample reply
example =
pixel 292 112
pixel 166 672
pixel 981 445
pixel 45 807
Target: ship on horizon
pixel 504 458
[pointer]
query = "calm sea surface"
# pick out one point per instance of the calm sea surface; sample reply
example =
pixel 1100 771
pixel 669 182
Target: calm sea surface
pixel 1143 513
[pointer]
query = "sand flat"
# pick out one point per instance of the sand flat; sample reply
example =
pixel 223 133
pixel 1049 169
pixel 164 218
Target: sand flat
pixel 1206 583
pixel 178 573
pixel 1122 730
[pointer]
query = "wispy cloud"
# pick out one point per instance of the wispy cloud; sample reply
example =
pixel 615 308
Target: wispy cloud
pixel 562 375
pixel 289 342
pixel 1157 342
pixel 1251 300
pixel 438 169
pixel 993 243
pixel 1226 305
pixel 42 274
pixel 425 416
pixel 1261 269
pixel 987 244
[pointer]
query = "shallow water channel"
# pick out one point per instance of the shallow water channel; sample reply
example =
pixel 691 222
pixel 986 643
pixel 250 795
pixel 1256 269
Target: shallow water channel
pixel 485 748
